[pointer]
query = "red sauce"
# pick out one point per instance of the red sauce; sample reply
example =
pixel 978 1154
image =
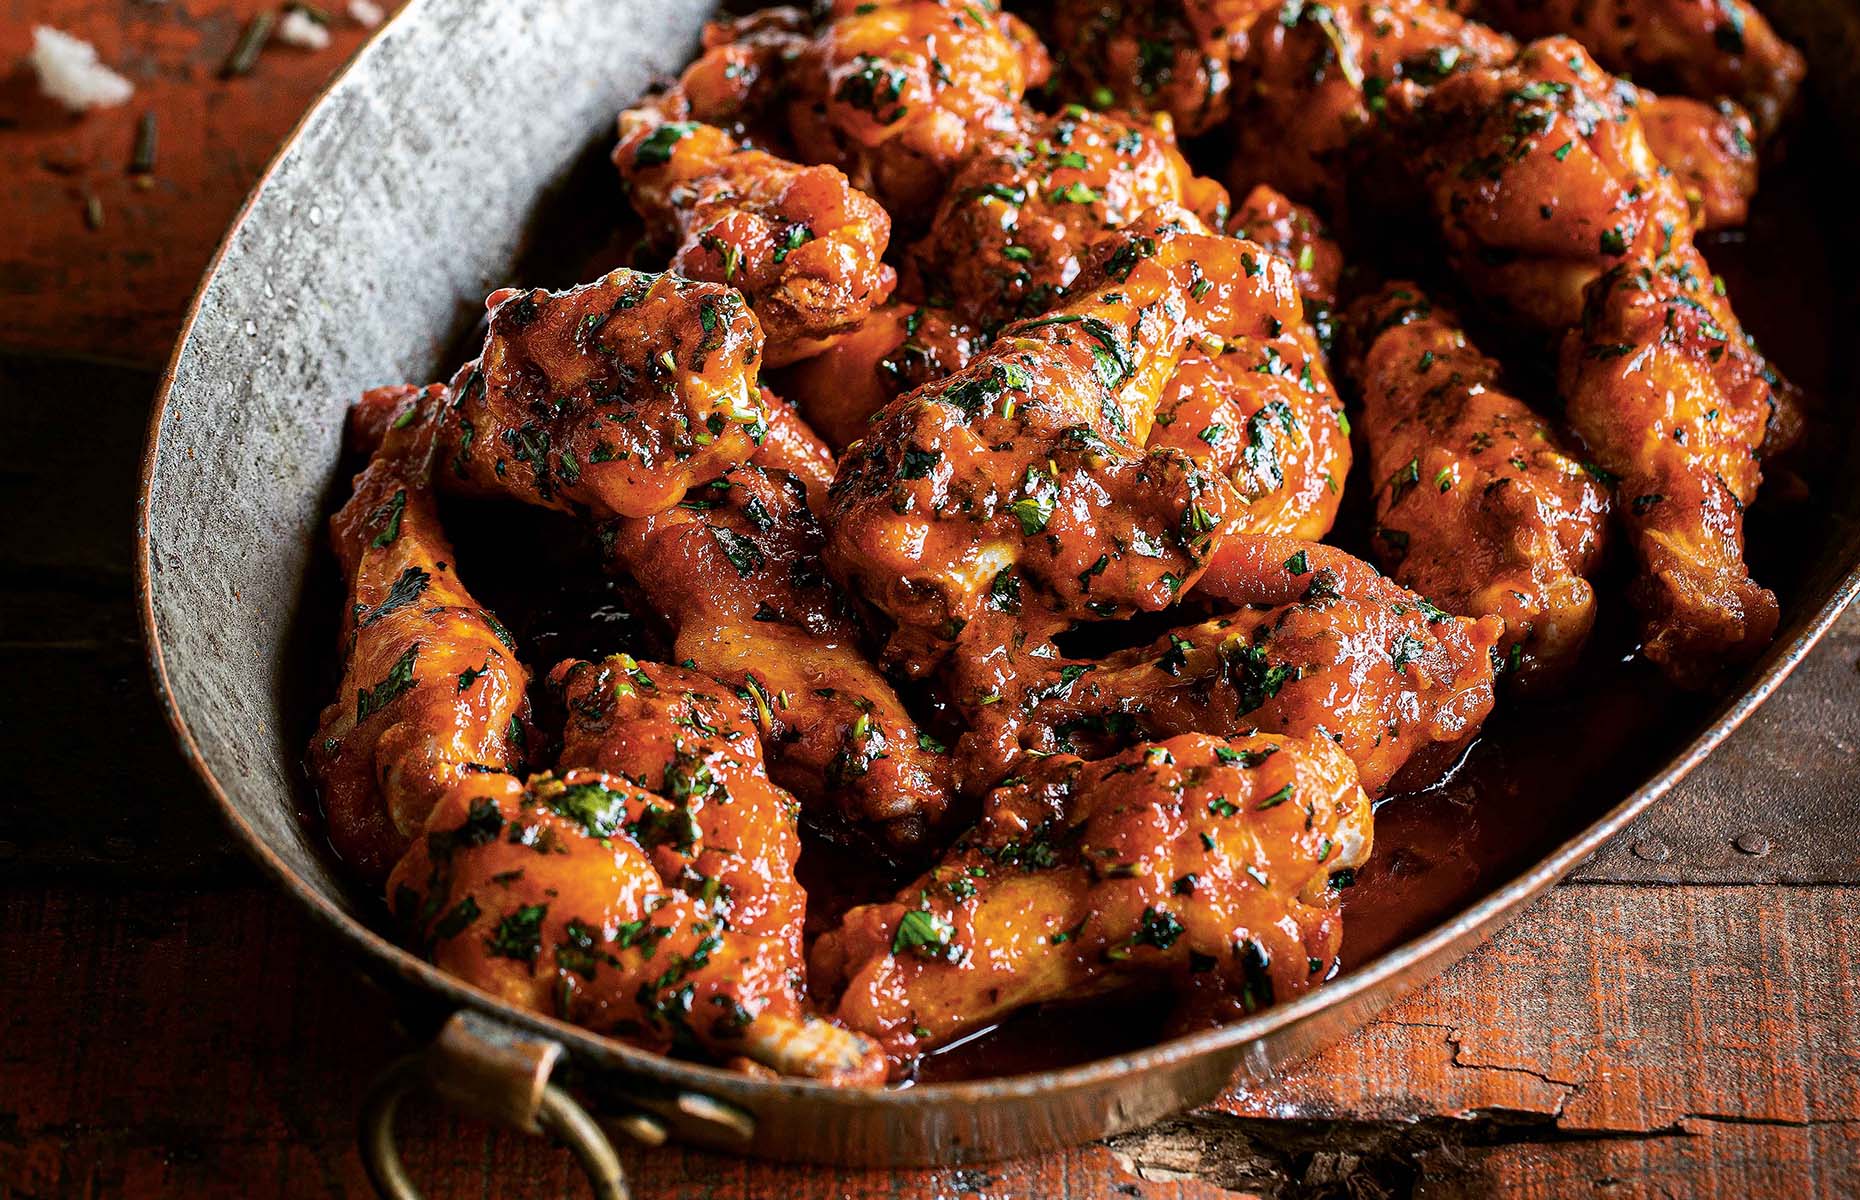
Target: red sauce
pixel 1542 770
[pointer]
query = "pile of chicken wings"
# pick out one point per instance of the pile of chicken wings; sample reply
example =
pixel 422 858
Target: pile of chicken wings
pixel 977 452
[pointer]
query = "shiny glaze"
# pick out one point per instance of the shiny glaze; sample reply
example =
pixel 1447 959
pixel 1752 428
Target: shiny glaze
pixel 432 690
pixel 1702 48
pixel 736 570
pixel 1021 474
pixel 804 248
pixel 610 398
pixel 1480 504
pixel 1206 862
pixel 1328 648
pixel 647 890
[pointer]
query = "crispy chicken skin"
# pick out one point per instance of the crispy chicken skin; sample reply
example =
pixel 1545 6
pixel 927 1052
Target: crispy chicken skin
pixel 1480 505
pixel 1014 228
pixel 1022 473
pixel 799 242
pixel 431 688
pixel 1329 649
pixel 736 570
pixel 611 398
pixel 646 890
pixel 896 92
pixel 1700 48
pixel 1203 863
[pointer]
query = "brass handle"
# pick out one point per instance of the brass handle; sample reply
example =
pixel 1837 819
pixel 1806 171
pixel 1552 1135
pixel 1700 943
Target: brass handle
pixel 494 1072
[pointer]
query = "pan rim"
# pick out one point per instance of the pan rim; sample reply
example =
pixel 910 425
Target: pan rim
pixel 1454 936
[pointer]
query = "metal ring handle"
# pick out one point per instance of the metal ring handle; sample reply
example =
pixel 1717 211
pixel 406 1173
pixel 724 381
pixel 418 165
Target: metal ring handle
pixel 557 1113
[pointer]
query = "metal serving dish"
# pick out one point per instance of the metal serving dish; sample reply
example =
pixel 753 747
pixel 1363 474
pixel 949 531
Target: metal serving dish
pixel 417 184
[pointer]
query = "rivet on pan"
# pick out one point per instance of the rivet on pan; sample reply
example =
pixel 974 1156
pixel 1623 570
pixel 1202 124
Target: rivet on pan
pixel 1753 843
pixel 1652 850
pixel 717 1114
pixel 639 1127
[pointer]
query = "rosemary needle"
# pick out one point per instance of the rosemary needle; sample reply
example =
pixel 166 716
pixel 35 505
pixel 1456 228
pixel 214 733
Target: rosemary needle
pixel 142 162
pixel 245 53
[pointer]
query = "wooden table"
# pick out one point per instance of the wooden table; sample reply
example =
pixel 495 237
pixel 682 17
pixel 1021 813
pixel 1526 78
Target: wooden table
pixel 1681 1018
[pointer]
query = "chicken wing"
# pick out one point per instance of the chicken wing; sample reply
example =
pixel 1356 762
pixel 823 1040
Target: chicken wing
pixel 1538 177
pixel 896 92
pixel 1480 506
pixel 1548 192
pixel 1014 228
pixel 1011 234
pixel 1700 48
pixel 804 248
pixel 736 570
pixel 896 349
pixel 1210 864
pixel 1261 413
pixel 1670 396
pixel 1021 473
pixel 1328 649
pixel 1710 151
pixel 645 891
pixel 1317 75
pixel 1168 56
pixel 432 691
pixel 609 398
pixel 1299 235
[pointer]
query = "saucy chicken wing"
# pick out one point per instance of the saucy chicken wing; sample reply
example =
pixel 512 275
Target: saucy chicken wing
pixel 1015 227
pixel 1022 472
pixel 1317 75
pixel 611 398
pixel 896 92
pixel 1548 193
pixel 431 691
pixel 735 568
pixel 804 248
pixel 1208 864
pixel 1670 396
pixel 1700 48
pixel 1012 233
pixel 1167 56
pixel 645 890
pixel 1710 151
pixel 896 349
pixel 1328 649
pixel 1261 412
pixel 1479 504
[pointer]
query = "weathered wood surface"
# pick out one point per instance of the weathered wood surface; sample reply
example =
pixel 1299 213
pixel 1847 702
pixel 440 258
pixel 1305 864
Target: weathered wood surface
pixel 1680 1021
pixel 132 276
pixel 1677 1040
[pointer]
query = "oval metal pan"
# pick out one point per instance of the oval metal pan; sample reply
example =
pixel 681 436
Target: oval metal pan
pixel 398 202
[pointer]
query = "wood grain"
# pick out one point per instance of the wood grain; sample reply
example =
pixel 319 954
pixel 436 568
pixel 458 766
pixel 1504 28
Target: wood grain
pixel 135 273
pixel 207 1044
